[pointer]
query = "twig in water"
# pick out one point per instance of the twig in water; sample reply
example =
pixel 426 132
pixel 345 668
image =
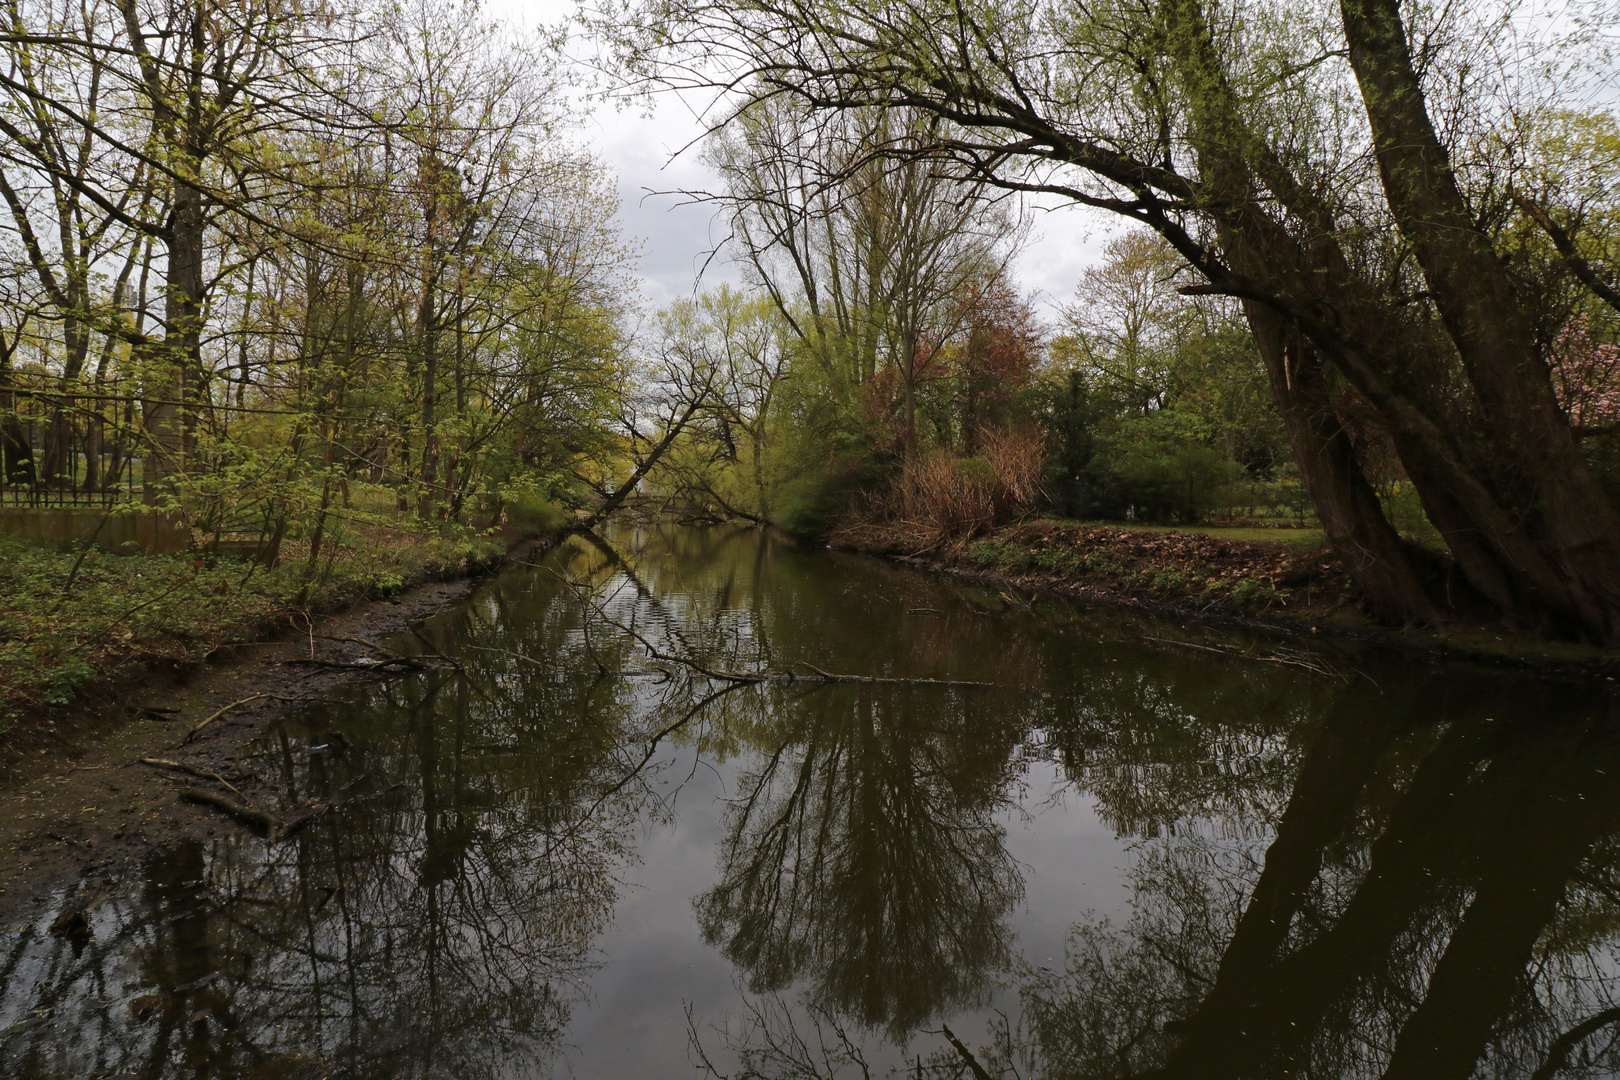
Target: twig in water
pixel 314 813
pixel 968 1059
pixel 273 697
pixel 273 828
pixel 347 665
pixel 434 650
pixel 507 652
pixel 361 641
pixel 1290 658
pixel 661 672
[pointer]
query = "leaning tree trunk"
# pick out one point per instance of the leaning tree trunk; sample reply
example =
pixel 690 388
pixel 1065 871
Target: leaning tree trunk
pixel 1230 156
pixel 1352 518
pixel 1521 511
pixel 1550 500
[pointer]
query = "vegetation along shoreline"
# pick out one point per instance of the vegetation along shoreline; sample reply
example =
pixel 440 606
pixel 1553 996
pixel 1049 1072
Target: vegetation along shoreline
pixel 85 631
pixel 1289 588
pixel 67 666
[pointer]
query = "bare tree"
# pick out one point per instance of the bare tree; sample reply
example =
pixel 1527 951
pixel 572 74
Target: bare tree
pixel 858 237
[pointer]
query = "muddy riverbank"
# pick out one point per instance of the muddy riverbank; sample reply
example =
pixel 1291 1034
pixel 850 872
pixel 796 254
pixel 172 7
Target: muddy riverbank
pixel 82 798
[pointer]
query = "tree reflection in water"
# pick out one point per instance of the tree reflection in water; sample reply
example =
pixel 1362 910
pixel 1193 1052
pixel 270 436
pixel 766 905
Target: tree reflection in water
pixel 1352 890
pixel 443 929
pixel 1329 878
pixel 864 856
pixel 1434 903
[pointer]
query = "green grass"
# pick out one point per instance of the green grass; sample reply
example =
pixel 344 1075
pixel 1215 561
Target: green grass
pixel 67 621
pixel 1284 534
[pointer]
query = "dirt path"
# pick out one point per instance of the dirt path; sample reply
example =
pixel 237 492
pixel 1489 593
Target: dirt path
pixel 88 806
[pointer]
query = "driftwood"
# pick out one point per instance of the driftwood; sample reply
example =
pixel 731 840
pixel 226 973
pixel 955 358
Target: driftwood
pixel 204 774
pixel 274 829
pixel 433 650
pixel 287 828
pixel 391 656
pixel 408 662
pixel 256 697
pixel 360 641
pixel 1286 657
pixel 979 1071
pixel 259 820
pixel 192 734
pixel 658 673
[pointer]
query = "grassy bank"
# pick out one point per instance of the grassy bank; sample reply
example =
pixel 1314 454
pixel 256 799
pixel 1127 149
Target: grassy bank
pixel 1292 583
pixel 72 619
pixel 1204 571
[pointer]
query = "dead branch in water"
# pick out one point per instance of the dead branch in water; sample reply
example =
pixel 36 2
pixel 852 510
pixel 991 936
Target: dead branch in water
pixel 979 1071
pixel 1286 657
pixel 256 819
pixel 819 675
pixel 192 734
pixel 658 672
pixel 408 662
pixel 273 828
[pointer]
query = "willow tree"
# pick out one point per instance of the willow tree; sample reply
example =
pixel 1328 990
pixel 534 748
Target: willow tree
pixel 1291 156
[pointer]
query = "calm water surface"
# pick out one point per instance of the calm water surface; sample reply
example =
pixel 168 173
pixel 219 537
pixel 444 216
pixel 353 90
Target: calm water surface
pixel 1121 859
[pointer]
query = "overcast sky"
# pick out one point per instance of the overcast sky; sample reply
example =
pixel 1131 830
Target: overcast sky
pixel 646 156
pixel 677 235
pixel 675 239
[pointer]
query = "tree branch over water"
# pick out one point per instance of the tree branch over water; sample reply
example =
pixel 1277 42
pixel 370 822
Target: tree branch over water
pixel 590 606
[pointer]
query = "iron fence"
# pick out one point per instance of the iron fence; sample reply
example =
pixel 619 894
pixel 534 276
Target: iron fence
pixel 66 445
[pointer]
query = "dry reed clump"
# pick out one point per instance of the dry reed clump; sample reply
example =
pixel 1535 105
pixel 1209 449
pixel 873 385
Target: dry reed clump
pixel 954 498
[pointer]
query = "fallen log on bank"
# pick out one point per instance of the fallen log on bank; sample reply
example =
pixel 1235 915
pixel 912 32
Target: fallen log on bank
pixel 261 822
pixel 271 827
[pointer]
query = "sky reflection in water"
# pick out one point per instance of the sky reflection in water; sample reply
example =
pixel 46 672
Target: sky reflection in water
pixel 1117 861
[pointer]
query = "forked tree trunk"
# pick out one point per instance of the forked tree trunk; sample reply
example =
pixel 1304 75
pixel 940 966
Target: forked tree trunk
pixel 1352 518
pixel 1513 497
pixel 1554 532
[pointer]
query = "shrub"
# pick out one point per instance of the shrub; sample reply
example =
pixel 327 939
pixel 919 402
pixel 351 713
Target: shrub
pixel 963 496
pixel 533 513
pixel 1254 595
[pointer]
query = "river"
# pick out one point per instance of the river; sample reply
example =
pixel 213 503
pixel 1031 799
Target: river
pixel 1082 849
